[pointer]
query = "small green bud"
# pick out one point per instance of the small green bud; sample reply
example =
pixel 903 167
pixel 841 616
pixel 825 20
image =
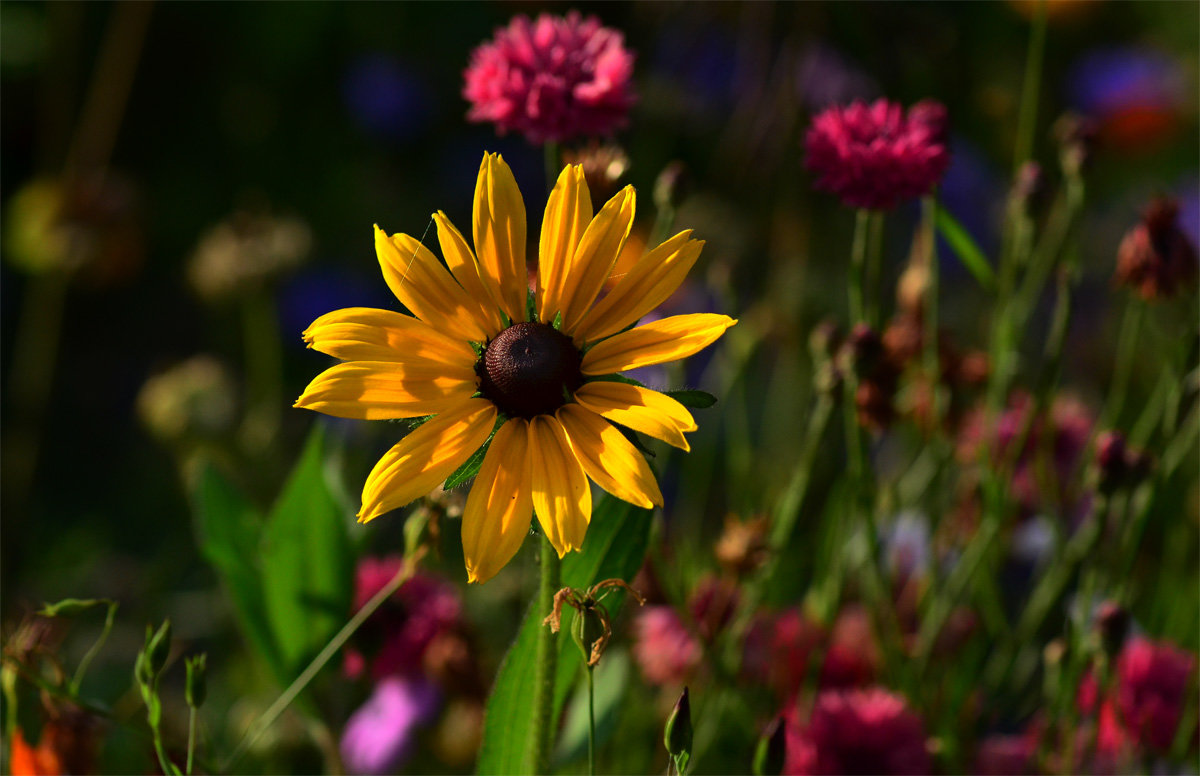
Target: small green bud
pixel 158 647
pixel 769 756
pixel 417 532
pixel 590 633
pixel 678 735
pixel 194 691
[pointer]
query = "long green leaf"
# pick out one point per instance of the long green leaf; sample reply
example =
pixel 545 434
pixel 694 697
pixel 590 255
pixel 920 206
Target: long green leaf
pixel 228 531
pixel 967 250
pixel 615 547
pixel 307 561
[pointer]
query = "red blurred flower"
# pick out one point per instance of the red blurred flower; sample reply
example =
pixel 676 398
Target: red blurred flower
pixel 1152 681
pixel 858 731
pixel 552 79
pixel 398 634
pixel 1000 755
pixel 664 649
pixel 874 156
pixel 777 650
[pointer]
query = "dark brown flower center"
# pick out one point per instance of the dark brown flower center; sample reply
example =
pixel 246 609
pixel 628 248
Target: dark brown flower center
pixel 529 369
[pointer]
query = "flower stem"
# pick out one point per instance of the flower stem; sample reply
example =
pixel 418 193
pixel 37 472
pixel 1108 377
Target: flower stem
pixel 932 363
pixel 1027 118
pixel 591 723
pixel 871 292
pixel 547 663
pixel 283 701
pixel 858 260
pixel 191 750
pixel 1127 340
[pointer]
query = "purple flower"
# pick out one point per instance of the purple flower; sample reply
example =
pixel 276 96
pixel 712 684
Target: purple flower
pixel 380 734
pixel 552 79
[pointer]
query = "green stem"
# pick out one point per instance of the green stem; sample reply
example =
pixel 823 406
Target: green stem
pixel 1127 341
pixel 1027 118
pixel 591 723
pixel 542 741
pixel 858 259
pixel 932 366
pixel 294 689
pixel 552 160
pixel 191 750
pixel 95 648
pixel 871 293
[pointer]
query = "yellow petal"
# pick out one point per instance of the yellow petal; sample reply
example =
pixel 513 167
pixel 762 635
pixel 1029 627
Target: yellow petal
pixel 562 499
pixel 425 457
pixel 664 340
pixel 568 211
pixel 461 260
pixel 597 253
pixel 641 409
pixel 366 334
pixel 609 458
pixel 647 285
pixel 424 286
pixel 496 517
pixel 499 230
pixel 376 390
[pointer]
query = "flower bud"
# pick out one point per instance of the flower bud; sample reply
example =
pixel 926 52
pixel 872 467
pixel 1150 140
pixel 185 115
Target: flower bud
pixel 590 633
pixel 1112 623
pixel 196 688
pixel 678 734
pixel 1076 136
pixel 603 168
pixel 158 647
pixel 771 750
pixel 1156 259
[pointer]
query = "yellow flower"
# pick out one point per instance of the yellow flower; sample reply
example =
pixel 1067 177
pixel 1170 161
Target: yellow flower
pixel 471 355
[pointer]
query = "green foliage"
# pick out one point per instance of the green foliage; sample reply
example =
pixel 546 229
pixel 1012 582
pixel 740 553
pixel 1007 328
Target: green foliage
pixel 698 400
pixel 614 548
pixel 966 249
pixel 307 565
pixel 290 577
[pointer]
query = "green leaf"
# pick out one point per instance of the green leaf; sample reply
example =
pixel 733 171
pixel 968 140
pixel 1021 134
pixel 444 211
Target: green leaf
pixel 967 250
pixel 307 562
pixel 615 547
pixel 471 467
pixel 228 531
pixel 700 400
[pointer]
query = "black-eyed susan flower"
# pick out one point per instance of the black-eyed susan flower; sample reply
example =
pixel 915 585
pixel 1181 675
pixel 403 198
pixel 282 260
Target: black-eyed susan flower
pixel 482 353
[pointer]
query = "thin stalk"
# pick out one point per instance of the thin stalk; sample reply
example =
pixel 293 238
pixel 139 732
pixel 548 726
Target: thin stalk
pixel 191 750
pixel 1027 118
pixel 858 258
pixel 94 649
pixel 542 741
pixel 1127 340
pixel 294 689
pixel 932 367
pixel 871 294
pixel 591 723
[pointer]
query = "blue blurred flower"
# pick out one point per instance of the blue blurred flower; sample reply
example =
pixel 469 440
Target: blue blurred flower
pixel 315 291
pixel 1136 93
pixel 385 97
